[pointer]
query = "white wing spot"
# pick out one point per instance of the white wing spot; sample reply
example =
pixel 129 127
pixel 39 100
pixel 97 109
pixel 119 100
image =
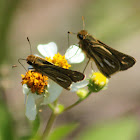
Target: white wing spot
pixel 113 66
pixel 61 79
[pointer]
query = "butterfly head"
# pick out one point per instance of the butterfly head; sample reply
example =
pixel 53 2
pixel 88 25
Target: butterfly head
pixel 30 59
pixel 82 34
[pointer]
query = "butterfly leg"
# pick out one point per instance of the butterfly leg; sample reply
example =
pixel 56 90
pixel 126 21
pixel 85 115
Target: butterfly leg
pixel 86 65
pixel 91 65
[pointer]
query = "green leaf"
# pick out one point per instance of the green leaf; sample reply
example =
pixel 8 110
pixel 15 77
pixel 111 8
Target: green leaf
pixel 6 124
pixel 124 129
pixel 35 125
pixel 62 131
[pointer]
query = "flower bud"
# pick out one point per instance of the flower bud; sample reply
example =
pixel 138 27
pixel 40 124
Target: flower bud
pixel 59 109
pixel 82 93
pixel 97 82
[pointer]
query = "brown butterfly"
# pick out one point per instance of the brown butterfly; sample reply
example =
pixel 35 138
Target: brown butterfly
pixel 61 76
pixel 107 59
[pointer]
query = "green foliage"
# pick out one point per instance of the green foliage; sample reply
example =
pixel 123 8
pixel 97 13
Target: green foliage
pixel 7 130
pixel 35 127
pixel 7 10
pixel 124 129
pixel 62 131
pixel 35 124
pixel 25 138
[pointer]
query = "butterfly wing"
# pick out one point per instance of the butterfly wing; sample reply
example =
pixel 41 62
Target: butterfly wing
pixel 126 61
pixel 63 77
pixel 60 78
pixel 105 61
pixel 75 76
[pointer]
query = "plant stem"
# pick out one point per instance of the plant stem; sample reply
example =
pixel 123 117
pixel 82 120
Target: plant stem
pixel 71 106
pixel 76 103
pixel 54 115
pixel 51 106
pixel 49 125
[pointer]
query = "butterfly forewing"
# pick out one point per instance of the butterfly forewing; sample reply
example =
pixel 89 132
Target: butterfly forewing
pixel 60 78
pixel 75 76
pixel 105 62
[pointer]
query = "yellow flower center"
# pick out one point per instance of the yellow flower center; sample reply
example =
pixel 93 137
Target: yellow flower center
pixel 99 79
pixel 36 81
pixel 59 60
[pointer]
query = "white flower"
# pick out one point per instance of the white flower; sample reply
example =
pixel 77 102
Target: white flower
pixel 73 55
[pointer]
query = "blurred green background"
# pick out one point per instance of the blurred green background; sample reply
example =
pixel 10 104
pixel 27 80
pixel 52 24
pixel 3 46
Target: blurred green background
pixel 116 23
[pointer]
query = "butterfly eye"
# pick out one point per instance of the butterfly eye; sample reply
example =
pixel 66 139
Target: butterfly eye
pixel 29 62
pixel 80 36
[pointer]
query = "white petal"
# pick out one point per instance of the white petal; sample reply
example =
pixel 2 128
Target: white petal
pixel 38 99
pixel 76 86
pixel 31 107
pixel 47 50
pixel 74 55
pixel 54 90
pixel 25 89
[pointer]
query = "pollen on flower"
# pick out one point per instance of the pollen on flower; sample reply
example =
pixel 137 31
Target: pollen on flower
pixel 59 60
pixel 36 81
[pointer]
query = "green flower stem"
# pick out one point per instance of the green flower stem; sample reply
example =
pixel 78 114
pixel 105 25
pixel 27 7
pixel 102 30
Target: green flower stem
pixel 51 120
pixel 49 125
pixel 76 103
pixel 71 106
pixel 51 106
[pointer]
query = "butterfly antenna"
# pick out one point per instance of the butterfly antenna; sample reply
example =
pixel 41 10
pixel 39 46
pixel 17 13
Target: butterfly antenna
pixel 68 40
pixel 83 22
pixel 30 45
pixel 69 37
